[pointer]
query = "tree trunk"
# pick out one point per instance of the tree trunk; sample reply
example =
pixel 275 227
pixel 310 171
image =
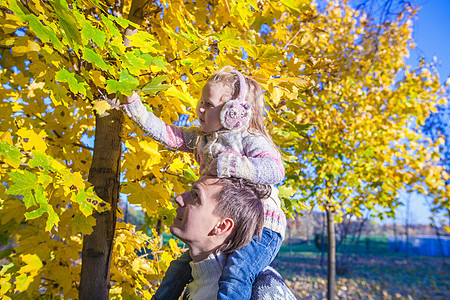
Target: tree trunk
pixel 396 242
pixel 407 226
pixel 322 248
pixel 331 255
pixel 104 175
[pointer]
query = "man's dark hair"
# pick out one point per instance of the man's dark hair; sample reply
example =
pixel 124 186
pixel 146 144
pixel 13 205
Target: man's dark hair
pixel 241 201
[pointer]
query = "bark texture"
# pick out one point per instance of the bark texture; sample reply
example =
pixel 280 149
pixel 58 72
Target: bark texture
pixel 104 175
pixel 331 256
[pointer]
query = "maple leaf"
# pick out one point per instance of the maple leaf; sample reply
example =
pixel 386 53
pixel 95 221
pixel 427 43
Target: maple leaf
pixel 31 140
pixel 11 154
pixel 24 184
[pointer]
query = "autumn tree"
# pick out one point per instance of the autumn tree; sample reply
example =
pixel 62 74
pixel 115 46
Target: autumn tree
pixel 364 144
pixel 437 128
pixel 62 62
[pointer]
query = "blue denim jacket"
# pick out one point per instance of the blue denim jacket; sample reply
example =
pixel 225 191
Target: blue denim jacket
pixel 241 268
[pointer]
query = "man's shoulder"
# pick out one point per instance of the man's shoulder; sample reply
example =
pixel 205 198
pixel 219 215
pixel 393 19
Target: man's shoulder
pixel 270 285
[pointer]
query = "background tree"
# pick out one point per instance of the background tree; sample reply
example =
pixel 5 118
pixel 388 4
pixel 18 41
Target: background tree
pixel 365 108
pixel 437 128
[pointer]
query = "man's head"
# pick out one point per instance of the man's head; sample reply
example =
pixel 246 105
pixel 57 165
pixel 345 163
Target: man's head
pixel 219 214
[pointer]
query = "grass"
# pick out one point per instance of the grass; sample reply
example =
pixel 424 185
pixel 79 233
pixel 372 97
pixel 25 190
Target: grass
pixel 375 273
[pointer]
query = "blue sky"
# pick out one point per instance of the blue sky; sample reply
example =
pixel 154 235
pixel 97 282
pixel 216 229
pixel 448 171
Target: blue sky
pixel 432 34
pixel 432 37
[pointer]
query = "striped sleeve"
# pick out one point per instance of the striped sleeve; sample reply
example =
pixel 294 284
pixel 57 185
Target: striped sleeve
pixel 262 164
pixel 178 138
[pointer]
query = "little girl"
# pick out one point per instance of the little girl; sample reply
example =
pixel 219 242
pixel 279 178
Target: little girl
pixel 231 142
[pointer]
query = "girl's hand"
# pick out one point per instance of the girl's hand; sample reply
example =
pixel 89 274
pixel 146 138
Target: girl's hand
pixel 213 167
pixel 133 98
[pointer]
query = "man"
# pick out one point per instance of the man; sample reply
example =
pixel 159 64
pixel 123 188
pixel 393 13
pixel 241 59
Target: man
pixel 216 217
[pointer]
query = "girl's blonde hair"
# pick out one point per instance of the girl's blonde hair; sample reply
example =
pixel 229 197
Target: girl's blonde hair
pixel 254 96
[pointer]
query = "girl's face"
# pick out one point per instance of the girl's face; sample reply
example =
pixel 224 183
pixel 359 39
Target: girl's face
pixel 214 96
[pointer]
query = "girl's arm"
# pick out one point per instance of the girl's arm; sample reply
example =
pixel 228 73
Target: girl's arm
pixel 178 138
pixel 262 163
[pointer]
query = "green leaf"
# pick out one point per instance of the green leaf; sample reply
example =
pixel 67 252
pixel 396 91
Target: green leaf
pixel 93 57
pixel 259 20
pixel 112 28
pixel 24 184
pixel 190 175
pixel 10 154
pixel 124 23
pixel 126 84
pixel 39 195
pixel 157 61
pixel 35 213
pixel 44 207
pixel 52 220
pixel 76 83
pixel 296 5
pixel 228 37
pixel 45 34
pixel 68 24
pixel 86 200
pixel 44 180
pixel 144 41
pixel 155 86
pixel 40 160
pixel 22 282
pixel 134 63
pixel 89 32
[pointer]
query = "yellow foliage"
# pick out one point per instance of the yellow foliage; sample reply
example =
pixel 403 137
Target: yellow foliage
pixel 31 140
pixel 341 101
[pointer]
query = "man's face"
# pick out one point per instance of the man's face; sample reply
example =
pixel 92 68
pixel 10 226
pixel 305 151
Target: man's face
pixel 209 107
pixel 195 218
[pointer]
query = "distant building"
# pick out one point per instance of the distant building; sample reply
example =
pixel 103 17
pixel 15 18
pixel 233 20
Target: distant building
pixel 421 245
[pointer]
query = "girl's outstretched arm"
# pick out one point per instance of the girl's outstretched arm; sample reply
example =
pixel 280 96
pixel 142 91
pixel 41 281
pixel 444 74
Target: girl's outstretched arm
pixel 178 138
pixel 261 164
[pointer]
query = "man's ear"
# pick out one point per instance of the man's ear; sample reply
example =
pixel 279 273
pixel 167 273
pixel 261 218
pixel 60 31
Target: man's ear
pixel 224 226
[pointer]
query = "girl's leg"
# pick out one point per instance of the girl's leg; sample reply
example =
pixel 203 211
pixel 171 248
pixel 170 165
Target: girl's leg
pixel 176 278
pixel 242 266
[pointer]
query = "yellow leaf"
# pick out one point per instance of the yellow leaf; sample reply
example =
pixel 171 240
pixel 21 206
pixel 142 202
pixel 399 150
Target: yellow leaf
pixel 286 191
pixel 25 46
pixel 22 282
pixel 116 290
pixel 33 264
pixel 130 146
pixel 98 78
pixel 135 265
pixel 5 285
pixel 140 195
pixel 276 95
pixel 174 246
pixel 101 107
pixel 149 147
pixel 31 140
pixel 166 258
pixel 6 137
pixel 34 86
pixel 447 228
pixel 177 164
